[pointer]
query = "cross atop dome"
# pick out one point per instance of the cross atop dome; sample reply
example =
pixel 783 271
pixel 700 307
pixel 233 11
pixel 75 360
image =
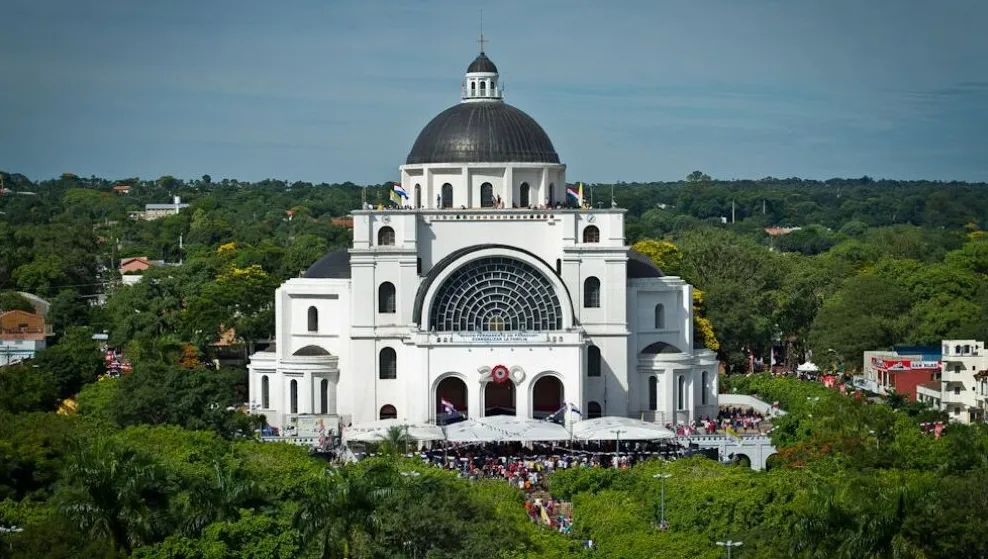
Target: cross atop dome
pixel 481 79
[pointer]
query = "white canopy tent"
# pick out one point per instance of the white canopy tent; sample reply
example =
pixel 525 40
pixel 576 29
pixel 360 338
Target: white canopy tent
pixel 505 428
pixel 376 431
pixel 808 367
pixel 619 428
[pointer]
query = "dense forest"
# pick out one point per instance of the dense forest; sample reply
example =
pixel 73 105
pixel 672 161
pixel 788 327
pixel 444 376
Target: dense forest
pixel 160 463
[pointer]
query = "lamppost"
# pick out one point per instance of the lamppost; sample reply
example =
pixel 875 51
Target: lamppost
pixel 729 544
pixel 662 517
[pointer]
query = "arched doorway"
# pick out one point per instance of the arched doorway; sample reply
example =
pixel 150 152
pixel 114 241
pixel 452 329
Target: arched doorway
pixel 499 398
pixel 454 391
pixel 548 398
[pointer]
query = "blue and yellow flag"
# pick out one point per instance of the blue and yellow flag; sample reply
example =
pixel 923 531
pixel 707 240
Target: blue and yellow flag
pixel 395 198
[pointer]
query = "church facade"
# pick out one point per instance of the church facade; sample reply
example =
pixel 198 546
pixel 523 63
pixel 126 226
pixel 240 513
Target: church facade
pixel 485 294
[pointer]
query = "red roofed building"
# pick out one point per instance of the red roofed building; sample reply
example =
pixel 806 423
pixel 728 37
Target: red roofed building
pixel 904 375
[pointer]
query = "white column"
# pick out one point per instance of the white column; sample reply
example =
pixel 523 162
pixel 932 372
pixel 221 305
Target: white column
pixel 474 405
pixel 509 187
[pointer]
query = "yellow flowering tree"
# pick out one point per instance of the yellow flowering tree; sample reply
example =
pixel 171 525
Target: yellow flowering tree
pixel 664 254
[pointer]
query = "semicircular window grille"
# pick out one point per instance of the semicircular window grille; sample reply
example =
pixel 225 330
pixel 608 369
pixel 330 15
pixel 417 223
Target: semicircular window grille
pixel 496 294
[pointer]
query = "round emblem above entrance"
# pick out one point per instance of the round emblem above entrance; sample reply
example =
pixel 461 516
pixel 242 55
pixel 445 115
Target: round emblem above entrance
pixel 500 374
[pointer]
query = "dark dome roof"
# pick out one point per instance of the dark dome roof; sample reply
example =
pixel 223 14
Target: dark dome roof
pixel 482 132
pixel 482 64
pixel 641 266
pixel 334 265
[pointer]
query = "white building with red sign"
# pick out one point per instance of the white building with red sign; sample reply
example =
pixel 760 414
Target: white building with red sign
pixel 484 290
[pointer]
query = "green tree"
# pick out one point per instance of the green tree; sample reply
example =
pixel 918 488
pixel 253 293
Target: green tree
pixel 115 495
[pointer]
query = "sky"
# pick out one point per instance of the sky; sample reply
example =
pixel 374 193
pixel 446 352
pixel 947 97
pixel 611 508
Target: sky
pixel 334 91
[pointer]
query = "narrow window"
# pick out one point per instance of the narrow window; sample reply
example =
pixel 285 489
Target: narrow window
pixel 418 196
pixel 385 236
pixel 523 194
pixel 703 381
pixel 293 395
pixel 388 412
pixel 418 266
pixel 486 195
pixel 591 234
pixel 313 319
pixel 681 393
pixel 388 364
pixel 483 89
pixel 387 300
pixel 593 361
pixel 552 194
pixel 265 393
pixel 660 317
pixel 591 293
pixel 447 196
pixel 593 410
pixel 324 396
pixel 559 266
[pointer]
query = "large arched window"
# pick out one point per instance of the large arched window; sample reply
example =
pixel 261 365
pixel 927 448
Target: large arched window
pixel 385 236
pixel 324 396
pixel 653 393
pixel 486 195
pixel 591 293
pixel 660 317
pixel 265 393
pixel 496 294
pixel 387 364
pixel 703 383
pixel 293 396
pixel 593 361
pixel 388 412
pixel 552 195
pixel 387 299
pixel 593 410
pixel 681 392
pixel 591 234
pixel 447 196
pixel 523 195
pixel 313 319
pixel 418 196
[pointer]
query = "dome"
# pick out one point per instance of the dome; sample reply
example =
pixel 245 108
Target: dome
pixel 482 64
pixel 641 266
pixel 488 132
pixel 335 265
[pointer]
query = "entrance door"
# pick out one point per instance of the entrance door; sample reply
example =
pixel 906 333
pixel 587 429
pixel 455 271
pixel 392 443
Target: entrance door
pixel 548 398
pixel 499 398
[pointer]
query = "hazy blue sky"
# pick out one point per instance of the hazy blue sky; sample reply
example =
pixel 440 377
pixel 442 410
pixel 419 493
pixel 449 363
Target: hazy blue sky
pixel 332 90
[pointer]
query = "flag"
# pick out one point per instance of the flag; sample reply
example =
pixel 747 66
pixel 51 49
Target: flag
pixel 580 194
pixel 733 434
pixel 400 191
pixel 574 409
pixel 448 407
pixel 395 198
pixel 545 517
pixel 555 413
pixel 572 192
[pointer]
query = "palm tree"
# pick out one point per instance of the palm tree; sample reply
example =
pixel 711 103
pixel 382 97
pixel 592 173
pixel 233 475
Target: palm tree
pixel 395 441
pixel 220 501
pixel 340 507
pixel 111 495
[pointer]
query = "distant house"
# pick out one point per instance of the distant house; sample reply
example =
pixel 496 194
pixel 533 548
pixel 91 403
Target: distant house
pixel 343 222
pixel 121 189
pixel 132 269
pixel 22 335
pixel 157 211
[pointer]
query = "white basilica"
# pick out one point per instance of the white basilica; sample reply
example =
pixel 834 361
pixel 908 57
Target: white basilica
pixel 486 292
